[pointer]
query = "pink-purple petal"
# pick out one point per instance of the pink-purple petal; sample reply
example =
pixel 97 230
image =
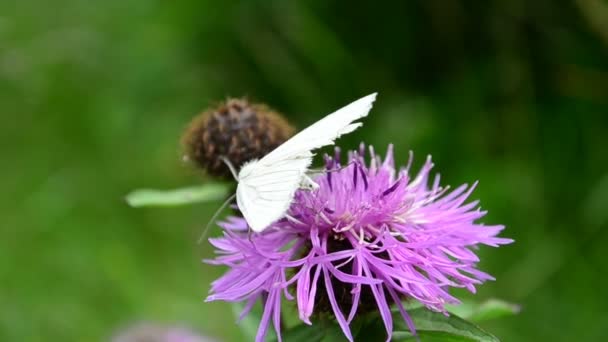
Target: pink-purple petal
pixel 367 225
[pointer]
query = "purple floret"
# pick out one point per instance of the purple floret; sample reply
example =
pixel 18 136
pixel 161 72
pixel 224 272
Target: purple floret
pixel 368 228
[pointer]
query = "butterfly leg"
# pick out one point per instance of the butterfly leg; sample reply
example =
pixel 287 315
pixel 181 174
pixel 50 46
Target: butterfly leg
pixel 249 235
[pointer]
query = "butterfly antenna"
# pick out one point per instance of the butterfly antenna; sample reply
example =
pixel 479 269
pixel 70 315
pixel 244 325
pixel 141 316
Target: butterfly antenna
pixel 231 167
pixel 217 213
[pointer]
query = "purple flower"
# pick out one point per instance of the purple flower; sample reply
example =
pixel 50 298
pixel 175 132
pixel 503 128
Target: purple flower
pixel 370 237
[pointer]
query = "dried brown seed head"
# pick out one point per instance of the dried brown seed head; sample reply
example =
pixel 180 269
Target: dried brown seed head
pixel 237 130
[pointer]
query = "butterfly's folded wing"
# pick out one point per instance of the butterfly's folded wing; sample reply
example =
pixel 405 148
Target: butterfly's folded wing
pixel 323 132
pixel 267 186
pixel 264 195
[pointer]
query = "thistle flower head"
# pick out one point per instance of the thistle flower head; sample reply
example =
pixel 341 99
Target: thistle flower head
pixel 368 238
pixel 237 130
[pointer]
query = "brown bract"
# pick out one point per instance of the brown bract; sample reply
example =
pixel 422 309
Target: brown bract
pixel 237 130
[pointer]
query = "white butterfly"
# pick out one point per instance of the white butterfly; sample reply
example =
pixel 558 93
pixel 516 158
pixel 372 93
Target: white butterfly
pixel 266 187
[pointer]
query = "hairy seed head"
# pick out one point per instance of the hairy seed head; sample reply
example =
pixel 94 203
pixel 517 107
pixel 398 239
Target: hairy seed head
pixel 236 130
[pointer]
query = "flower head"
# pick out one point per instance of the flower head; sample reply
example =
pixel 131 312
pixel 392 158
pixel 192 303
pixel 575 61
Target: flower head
pixel 368 238
pixel 237 130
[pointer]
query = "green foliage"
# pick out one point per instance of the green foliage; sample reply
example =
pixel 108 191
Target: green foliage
pixel 307 333
pixel 430 326
pixel 434 326
pixel 323 330
pixel 248 324
pixel 94 97
pixel 164 198
pixel 490 309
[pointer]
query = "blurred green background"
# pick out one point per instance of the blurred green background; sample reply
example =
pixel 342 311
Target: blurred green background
pixel 94 96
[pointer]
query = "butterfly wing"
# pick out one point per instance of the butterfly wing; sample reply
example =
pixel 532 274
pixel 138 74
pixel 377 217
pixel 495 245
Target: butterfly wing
pixel 323 132
pixel 265 193
pixel 267 186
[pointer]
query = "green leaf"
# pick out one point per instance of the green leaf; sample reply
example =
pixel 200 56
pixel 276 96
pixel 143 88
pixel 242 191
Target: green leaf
pixel 175 197
pixel 304 333
pixel 490 309
pixel 430 336
pixel 430 326
pixel 324 330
